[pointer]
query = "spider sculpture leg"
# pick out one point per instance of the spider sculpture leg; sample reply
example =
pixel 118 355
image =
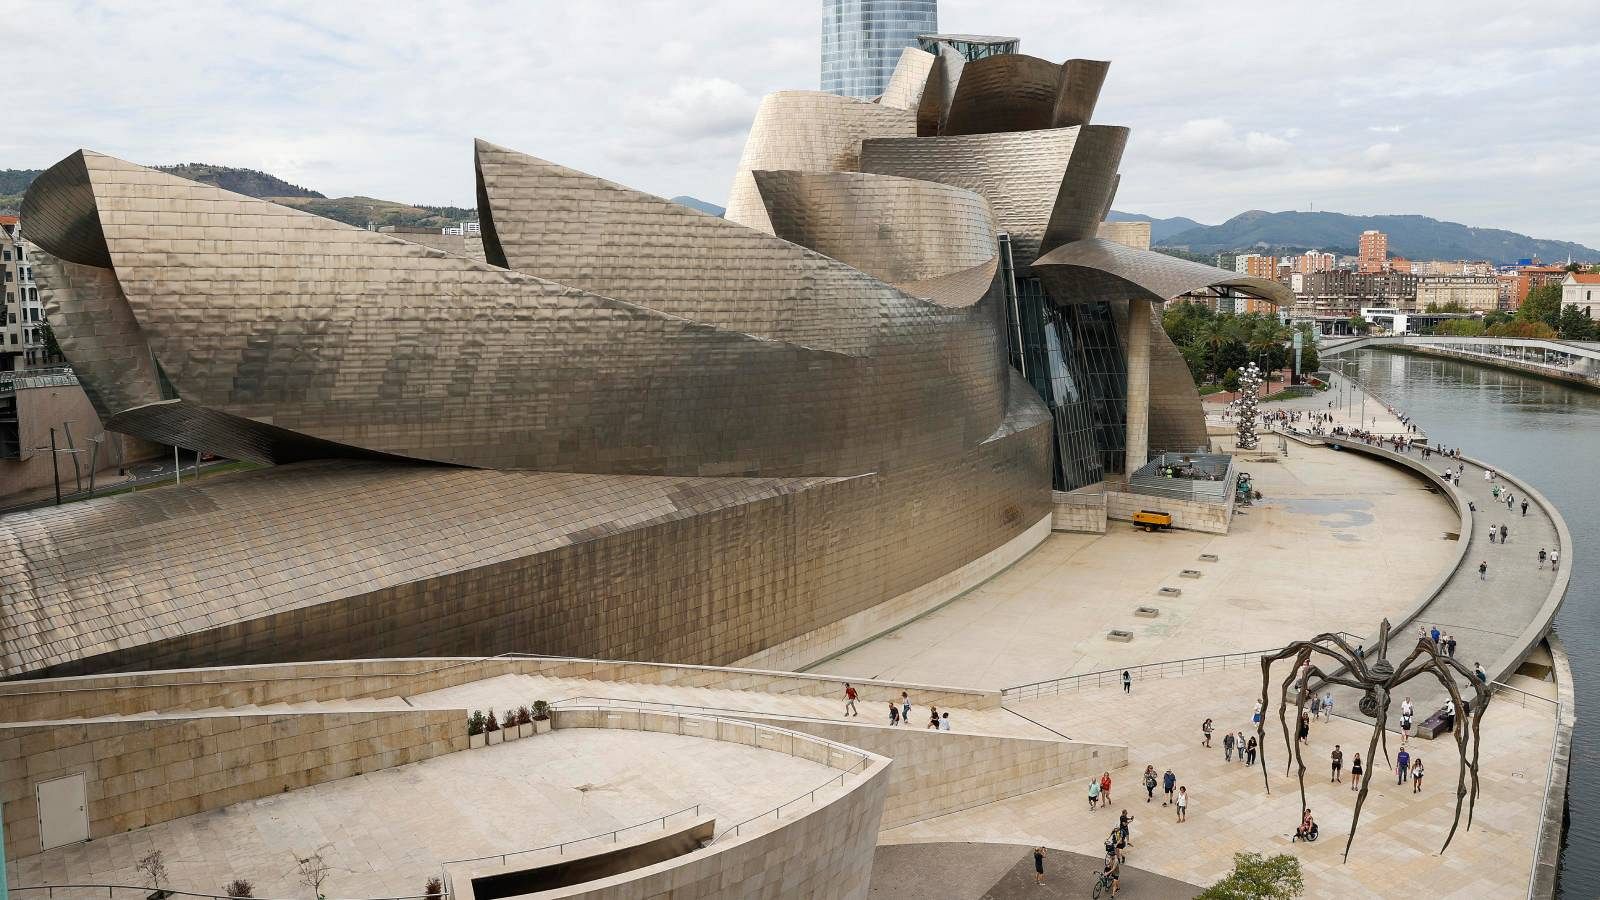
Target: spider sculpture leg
pixel 1353 664
pixel 1366 777
pixel 1440 668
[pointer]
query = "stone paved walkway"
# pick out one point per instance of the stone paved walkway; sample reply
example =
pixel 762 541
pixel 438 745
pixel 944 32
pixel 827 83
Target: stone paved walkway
pixel 1396 850
pixel 962 871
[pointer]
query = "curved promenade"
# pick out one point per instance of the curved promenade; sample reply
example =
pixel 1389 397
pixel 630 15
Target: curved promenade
pixel 1496 619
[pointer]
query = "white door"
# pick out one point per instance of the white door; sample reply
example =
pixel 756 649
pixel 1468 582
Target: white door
pixel 62 816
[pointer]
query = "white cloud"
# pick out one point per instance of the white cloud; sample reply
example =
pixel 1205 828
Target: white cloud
pixel 1216 143
pixel 381 98
pixel 1379 155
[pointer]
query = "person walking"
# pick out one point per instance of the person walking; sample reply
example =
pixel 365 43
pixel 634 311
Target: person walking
pixel 1304 732
pixel 1149 783
pixel 1169 781
pixel 1483 570
pixel 1416 775
pixel 1483 677
pixel 1183 804
pixel 1450 645
pixel 1402 765
pixel 1555 559
pixel 1094 794
pixel 1337 758
pixel 1505 533
pixel 1405 717
pixel 849 700
pixel 944 721
pixel 1355 771
pixel 1205 732
pixel 894 713
pixel 1105 788
pixel 905 707
pixel 1542 556
pixel 1255 717
pixel 933 717
pixel 1327 707
pixel 1252 751
pixel 1238 747
pixel 1122 826
pixel 1227 747
pixel 1127 682
pixel 1038 865
pixel 1493 530
pixel 1524 508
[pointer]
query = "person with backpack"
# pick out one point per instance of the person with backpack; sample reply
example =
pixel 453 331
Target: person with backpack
pixel 1205 732
pixel 1149 783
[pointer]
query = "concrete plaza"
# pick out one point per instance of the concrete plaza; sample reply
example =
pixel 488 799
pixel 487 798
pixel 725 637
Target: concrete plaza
pixel 1339 542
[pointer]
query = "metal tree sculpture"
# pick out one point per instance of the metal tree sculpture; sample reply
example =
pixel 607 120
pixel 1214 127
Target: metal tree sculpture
pixel 1244 406
pixel 1377 679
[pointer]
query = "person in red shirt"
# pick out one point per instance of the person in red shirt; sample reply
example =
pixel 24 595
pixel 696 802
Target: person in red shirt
pixel 850 700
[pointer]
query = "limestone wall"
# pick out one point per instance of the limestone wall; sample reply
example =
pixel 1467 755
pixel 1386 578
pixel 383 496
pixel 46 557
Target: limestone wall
pixel 143 772
pixel 193 689
pixel 939 772
pixel 1212 518
pixel 41 408
pixel 823 849
pixel 1078 512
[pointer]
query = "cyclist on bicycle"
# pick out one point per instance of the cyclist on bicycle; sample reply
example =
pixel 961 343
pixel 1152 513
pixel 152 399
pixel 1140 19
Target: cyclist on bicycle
pixel 1112 873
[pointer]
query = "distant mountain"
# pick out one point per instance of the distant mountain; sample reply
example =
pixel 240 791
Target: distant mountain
pixel 357 211
pixel 1413 237
pixel 703 206
pixel 1160 229
pixel 249 182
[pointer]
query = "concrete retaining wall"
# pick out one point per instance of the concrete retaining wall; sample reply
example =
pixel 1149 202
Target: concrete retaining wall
pixel 1211 518
pixel 143 772
pixel 939 772
pixel 1577 379
pixel 1547 856
pixel 1078 512
pixel 194 689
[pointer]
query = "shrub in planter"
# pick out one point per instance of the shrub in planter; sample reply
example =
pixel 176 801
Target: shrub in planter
pixel 435 888
pixel 239 888
pixel 475 724
pixel 524 722
pixel 541 717
pixel 508 726
pixel 491 728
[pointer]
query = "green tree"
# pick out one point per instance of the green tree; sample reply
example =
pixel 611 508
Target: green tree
pixel 1230 381
pixel 1460 328
pixel 52 350
pixel 1576 325
pixel 1359 325
pixel 1543 304
pixel 1255 877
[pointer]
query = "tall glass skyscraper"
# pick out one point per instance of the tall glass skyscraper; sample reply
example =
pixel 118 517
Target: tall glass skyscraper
pixel 862 40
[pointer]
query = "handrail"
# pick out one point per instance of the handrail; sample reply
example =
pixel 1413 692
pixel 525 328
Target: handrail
pixel 715 709
pixel 561 847
pixel 1055 685
pixel 777 811
pixel 145 890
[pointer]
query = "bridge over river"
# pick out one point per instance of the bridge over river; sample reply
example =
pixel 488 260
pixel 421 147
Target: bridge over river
pixel 1576 362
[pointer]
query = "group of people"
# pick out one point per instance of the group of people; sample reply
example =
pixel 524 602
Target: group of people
pixel 899 713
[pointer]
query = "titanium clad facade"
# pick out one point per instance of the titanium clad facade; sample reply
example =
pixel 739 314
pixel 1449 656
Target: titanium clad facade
pixel 628 430
pixel 862 41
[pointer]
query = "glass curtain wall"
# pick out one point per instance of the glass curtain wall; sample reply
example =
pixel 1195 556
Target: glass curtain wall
pixel 1053 362
pixel 862 41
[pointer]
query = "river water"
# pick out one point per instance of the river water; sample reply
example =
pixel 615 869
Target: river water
pixel 1548 434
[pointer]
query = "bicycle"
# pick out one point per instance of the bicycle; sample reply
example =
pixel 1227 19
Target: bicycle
pixel 1102 883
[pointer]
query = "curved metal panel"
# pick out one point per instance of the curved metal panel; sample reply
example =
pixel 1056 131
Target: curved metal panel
pixel 1087 187
pixel 1098 269
pixel 1020 173
pixel 98 334
pixel 896 229
pixel 1081 80
pixel 940 91
pixel 1010 92
pixel 62 216
pixel 904 90
pixel 589 233
pixel 809 131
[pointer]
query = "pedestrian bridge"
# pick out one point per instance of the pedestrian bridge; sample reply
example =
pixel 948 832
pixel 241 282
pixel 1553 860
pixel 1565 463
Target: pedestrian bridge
pixel 1566 360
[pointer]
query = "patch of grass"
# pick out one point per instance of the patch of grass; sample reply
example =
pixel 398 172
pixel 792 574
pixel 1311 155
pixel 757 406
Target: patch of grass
pixel 1208 389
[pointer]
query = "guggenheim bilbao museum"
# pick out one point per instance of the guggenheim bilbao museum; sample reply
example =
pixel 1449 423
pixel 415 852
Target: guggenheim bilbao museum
pixel 630 430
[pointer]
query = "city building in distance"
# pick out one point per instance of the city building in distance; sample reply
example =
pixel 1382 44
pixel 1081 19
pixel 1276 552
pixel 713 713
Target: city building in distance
pixel 1471 293
pixel 1374 251
pixel 1582 290
pixel 862 41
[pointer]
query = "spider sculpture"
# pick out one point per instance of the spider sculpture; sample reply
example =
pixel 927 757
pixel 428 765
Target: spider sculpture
pixel 1377 679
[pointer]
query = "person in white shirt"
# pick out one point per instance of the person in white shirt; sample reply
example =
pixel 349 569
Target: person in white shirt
pixel 944 721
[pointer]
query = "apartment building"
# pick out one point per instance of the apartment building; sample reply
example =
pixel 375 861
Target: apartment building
pixel 21 341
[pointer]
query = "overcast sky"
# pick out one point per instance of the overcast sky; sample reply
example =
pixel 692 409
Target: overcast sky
pixel 1482 113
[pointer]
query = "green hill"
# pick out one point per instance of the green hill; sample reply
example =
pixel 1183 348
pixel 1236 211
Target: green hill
pixel 1413 237
pixel 357 211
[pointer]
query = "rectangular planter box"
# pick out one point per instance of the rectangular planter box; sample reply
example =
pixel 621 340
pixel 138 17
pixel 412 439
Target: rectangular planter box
pixel 477 740
pixel 494 737
pixel 540 726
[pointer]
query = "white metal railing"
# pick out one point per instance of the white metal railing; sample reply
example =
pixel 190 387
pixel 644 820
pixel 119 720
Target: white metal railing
pixel 143 891
pixel 1166 669
pixel 614 834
